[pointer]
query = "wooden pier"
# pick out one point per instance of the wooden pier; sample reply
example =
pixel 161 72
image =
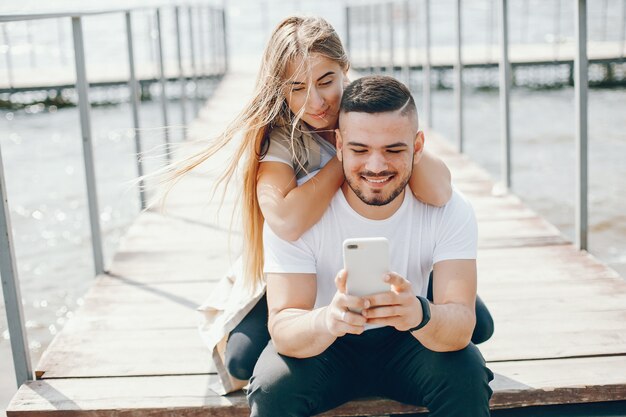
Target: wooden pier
pixel 133 348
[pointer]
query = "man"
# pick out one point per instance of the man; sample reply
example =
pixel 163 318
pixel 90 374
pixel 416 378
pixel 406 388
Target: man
pixel 322 354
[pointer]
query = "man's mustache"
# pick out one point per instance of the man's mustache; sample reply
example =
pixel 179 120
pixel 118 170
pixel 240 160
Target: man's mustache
pixel 377 174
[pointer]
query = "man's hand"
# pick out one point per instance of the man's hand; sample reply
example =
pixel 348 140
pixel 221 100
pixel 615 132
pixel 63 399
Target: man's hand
pixel 339 320
pixel 398 308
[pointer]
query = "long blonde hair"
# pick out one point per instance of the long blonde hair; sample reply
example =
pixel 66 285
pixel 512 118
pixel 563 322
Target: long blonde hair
pixel 295 37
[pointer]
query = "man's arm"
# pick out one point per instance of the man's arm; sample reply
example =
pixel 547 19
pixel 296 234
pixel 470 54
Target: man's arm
pixel 452 314
pixel 299 331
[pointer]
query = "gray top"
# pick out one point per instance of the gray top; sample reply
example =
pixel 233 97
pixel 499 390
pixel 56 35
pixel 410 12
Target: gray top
pixel 307 153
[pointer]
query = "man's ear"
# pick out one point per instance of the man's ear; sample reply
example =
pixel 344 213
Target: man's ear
pixel 338 144
pixel 418 146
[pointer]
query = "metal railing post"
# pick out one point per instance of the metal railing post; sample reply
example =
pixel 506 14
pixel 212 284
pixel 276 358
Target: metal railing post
pixel 181 73
pixel 5 35
pixel 458 76
pixel 557 29
pixel 163 83
pixel 428 117
pixel 214 41
pixel 201 45
pixel 407 43
pixel 224 41
pixel 580 87
pixel 11 291
pixel 134 104
pixel 211 44
pixel 623 36
pixel 31 44
pixel 392 44
pixel 192 52
pixel 505 85
pixel 347 35
pixel 85 126
pixel 371 13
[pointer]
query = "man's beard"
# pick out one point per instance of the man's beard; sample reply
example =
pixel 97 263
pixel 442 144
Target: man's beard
pixel 377 200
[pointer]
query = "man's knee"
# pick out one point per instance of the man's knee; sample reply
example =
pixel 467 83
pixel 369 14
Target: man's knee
pixel 276 390
pixel 462 375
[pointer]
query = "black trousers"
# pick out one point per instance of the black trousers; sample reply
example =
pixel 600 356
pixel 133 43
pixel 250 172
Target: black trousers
pixel 380 362
pixel 249 338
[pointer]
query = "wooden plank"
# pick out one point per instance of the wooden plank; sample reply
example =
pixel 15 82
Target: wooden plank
pixel 516 384
pixel 531 231
pixel 125 353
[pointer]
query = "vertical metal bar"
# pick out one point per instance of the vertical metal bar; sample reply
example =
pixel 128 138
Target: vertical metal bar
pixel 428 117
pixel 163 83
pixel 623 37
pixel 224 41
pixel 31 44
pixel 392 29
pixel 214 40
pixel 5 35
pixel 557 29
pixel 181 73
pixel 505 85
pixel 458 77
pixel 192 51
pixel 134 104
pixel 11 290
pixel 580 88
pixel 201 47
pixel 407 43
pixel 371 12
pixel 85 126
pixel 210 19
pixel 605 20
pixel 150 25
pixel 347 35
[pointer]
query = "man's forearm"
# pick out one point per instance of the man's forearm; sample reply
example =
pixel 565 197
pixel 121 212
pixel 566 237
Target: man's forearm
pixel 449 329
pixel 300 333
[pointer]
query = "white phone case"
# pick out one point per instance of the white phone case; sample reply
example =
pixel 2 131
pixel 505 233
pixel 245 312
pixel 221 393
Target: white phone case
pixel 366 261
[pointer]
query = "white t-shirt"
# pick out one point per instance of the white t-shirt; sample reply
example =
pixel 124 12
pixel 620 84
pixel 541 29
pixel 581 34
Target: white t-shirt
pixel 419 236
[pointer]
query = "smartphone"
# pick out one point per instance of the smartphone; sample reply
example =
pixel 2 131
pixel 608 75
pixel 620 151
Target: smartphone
pixel 366 261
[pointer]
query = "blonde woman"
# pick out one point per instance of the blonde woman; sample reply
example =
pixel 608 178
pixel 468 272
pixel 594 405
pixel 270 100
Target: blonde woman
pixel 290 175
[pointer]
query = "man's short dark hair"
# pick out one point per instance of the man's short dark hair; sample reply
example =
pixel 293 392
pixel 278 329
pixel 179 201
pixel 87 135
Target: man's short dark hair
pixel 377 94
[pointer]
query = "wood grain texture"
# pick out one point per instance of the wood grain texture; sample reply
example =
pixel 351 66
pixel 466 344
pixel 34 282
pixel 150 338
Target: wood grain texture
pixel 516 384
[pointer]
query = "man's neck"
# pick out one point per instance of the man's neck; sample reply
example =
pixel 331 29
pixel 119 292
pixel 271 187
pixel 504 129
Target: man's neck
pixel 369 211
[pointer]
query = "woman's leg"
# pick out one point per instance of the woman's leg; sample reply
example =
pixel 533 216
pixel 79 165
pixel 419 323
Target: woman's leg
pixel 247 341
pixel 484 322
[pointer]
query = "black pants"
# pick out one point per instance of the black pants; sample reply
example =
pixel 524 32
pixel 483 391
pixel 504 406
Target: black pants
pixel 249 338
pixel 380 362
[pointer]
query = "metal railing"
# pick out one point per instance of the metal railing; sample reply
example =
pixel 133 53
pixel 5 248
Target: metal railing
pixel 357 16
pixel 8 269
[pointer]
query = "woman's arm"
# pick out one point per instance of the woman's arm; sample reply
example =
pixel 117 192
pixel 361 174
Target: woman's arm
pixel 291 210
pixel 430 181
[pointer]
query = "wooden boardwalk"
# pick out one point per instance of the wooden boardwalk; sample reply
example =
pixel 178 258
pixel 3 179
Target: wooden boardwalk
pixel 133 348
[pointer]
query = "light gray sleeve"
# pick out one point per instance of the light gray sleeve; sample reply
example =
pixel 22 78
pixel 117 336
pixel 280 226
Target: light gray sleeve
pixel 279 149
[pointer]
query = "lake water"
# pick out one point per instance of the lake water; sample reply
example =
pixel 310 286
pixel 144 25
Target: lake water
pixel 44 172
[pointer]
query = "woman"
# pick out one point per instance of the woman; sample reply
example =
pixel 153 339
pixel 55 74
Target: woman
pixel 289 178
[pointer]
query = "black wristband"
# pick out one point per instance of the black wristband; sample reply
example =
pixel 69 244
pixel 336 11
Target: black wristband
pixel 425 313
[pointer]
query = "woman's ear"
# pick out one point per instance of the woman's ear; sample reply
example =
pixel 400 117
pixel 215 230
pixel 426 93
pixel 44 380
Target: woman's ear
pixel 346 79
